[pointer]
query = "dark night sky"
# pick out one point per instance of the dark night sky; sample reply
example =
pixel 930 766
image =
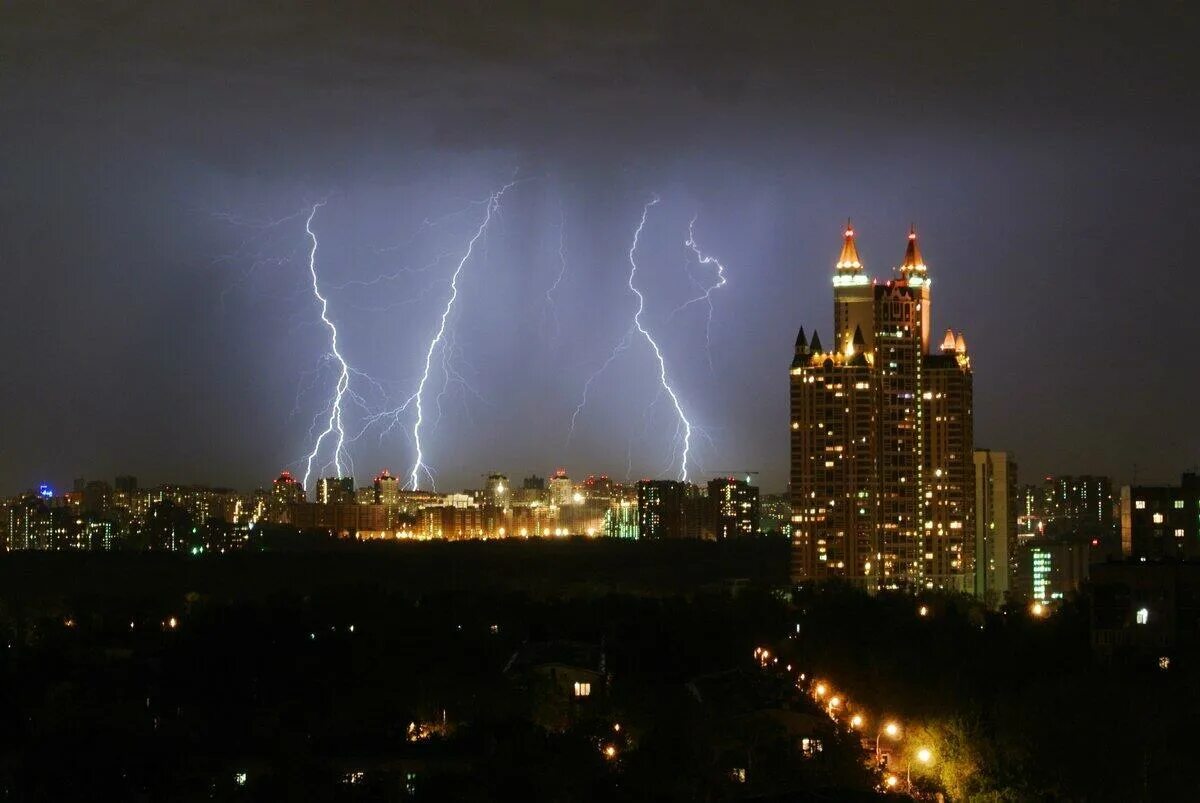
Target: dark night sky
pixel 1047 152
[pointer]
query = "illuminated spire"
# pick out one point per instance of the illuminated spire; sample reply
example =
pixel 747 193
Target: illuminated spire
pixel 848 262
pixel 913 266
pixel 960 344
pixel 948 341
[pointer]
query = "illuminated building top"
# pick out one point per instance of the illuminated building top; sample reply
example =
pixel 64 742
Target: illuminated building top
pixel 849 266
pixel 913 267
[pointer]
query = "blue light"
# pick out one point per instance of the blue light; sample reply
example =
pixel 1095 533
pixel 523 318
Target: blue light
pixel 45 491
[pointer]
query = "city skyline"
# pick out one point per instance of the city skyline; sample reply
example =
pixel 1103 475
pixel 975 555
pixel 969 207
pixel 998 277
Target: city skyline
pixel 174 326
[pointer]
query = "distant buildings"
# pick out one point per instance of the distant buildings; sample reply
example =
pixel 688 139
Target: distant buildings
pixel 1161 521
pixel 881 438
pixel 1049 569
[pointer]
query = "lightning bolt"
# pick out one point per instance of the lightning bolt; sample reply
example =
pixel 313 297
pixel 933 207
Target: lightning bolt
pixel 417 399
pixel 333 426
pixel 658 355
pixel 684 429
pixel 622 344
pixel 706 293
pixel 562 265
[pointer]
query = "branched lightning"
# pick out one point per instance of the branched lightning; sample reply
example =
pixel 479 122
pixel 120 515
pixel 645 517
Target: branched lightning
pixel 684 428
pixel 658 355
pixel 706 292
pixel 417 399
pixel 334 422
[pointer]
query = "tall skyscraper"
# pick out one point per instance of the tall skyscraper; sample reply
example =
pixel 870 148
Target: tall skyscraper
pixel 995 525
pixel 881 437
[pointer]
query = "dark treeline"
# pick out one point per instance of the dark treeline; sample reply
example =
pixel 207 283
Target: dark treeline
pixel 388 674
pixel 1016 707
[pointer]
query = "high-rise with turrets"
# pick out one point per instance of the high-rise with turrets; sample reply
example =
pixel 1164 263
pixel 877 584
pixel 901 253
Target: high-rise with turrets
pixel 882 483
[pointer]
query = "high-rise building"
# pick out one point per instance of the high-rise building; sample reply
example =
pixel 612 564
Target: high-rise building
pixel 285 491
pixel 881 438
pixel 995 525
pixel 660 509
pixel 1160 521
pixel 498 493
pixel 733 507
pixel 561 490
pixel 387 489
pixel 335 491
pixel 1049 569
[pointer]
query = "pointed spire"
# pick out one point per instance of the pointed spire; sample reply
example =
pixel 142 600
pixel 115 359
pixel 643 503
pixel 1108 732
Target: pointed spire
pixel 801 342
pixel 815 345
pixel 913 264
pixel 948 340
pixel 960 344
pixel 849 262
pixel 859 341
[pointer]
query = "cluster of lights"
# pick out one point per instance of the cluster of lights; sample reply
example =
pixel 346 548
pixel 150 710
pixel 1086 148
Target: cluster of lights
pixel 839 709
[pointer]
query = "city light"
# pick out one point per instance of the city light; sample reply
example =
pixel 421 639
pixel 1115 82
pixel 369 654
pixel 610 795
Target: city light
pixel 925 755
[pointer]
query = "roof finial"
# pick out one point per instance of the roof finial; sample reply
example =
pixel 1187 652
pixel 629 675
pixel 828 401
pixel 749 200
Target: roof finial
pixel 848 262
pixel 913 265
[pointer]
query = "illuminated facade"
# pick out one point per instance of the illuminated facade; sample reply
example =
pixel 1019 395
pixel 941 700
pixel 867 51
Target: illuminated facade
pixel 881 438
pixel 733 508
pixel 996 526
pixel 1161 521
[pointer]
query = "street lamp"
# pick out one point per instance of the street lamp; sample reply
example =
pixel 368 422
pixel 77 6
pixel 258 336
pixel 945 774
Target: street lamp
pixel 925 756
pixel 856 721
pixel 820 690
pixel 893 732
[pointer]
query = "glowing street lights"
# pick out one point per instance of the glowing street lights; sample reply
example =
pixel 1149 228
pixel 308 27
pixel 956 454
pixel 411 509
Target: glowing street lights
pixel 923 755
pixel 891 730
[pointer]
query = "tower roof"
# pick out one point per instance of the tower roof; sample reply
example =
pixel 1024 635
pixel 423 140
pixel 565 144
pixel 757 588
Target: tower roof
pixel 848 261
pixel 801 341
pixel 913 264
pixel 815 345
pixel 948 340
pixel 859 341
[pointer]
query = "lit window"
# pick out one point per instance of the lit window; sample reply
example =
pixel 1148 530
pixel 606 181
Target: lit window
pixel 1158 518
pixel 1179 532
pixel 1140 504
pixel 583 689
pixel 1179 504
pixel 1143 616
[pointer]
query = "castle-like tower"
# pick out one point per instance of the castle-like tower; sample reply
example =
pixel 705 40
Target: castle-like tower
pixel 882 482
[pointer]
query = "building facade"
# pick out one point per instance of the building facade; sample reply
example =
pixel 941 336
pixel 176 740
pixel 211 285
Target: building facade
pixel 881 438
pixel 1161 521
pixel 733 508
pixel 996 508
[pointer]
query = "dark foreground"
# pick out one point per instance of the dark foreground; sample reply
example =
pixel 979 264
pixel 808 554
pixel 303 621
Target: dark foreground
pixel 567 671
